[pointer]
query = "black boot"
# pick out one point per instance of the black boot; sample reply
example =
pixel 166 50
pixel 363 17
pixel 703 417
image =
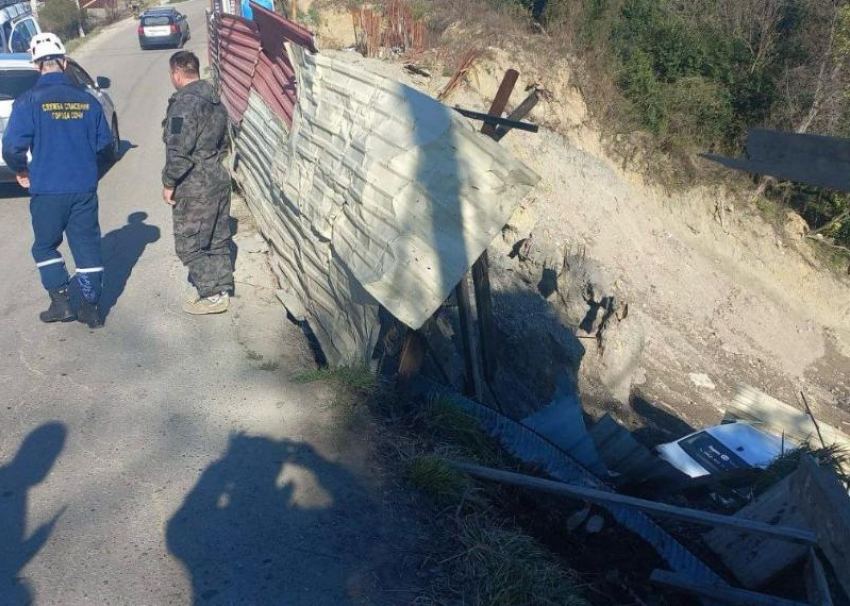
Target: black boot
pixel 60 308
pixel 89 314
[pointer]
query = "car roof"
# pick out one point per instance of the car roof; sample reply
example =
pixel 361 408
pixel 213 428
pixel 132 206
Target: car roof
pixel 16 61
pixel 22 61
pixel 160 11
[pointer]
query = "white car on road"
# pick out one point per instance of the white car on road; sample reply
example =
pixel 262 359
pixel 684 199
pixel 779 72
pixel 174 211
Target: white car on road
pixel 18 75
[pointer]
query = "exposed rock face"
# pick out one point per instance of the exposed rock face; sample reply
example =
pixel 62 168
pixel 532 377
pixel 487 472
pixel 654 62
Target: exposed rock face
pixel 795 226
pixel 586 296
pixel 619 362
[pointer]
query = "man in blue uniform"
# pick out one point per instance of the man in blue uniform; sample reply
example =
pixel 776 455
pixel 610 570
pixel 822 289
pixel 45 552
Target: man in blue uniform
pixel 63 128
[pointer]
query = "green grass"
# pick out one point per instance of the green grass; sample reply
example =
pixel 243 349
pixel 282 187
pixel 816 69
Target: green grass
pixel 74 44
pixel 446 421
pixel 357 377
pixel 505 567
pixel 833 457
pixel 439 480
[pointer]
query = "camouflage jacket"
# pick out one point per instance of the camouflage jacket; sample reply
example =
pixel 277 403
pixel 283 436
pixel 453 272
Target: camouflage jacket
pixel 196 142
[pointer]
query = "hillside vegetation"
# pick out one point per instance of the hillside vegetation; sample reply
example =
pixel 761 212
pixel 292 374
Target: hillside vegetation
pixel 697 74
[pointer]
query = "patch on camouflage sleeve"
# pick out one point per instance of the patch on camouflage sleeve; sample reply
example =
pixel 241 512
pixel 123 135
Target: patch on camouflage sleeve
pixel 176 125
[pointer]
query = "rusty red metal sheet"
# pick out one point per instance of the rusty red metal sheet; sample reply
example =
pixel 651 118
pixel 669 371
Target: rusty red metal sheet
pixel 280 97
pixel 275 29
pixel 251 55
pixel 238 51
pixel 274 78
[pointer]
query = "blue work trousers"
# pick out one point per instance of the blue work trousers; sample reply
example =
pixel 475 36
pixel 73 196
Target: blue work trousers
pixel 75 215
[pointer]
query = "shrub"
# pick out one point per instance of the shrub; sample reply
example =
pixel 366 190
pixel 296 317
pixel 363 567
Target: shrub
pixel 642 88
pixel 62 17
pixel 699 111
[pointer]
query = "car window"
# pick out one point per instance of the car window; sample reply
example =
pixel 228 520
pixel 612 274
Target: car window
pixel 711 453
pixel 22 33
pixel 13 82
pixel 78 76
pixel 157 20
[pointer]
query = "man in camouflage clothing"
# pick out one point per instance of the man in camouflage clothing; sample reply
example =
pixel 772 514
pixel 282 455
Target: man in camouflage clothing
pixel 197 185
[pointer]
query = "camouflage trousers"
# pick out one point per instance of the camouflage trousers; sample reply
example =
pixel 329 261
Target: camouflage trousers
pixel 202 237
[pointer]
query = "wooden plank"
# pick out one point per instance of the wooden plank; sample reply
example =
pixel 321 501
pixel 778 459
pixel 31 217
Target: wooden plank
pixel 500 102
pixel 525 126
pixel 753 406
pixel 715 592
pixel 825 506
pixel 474 381
pixel 484 311
pixel 412 356
pixel 481 267
pixel 518 114
pixel 817 587
pixel 754 560
pixel 793 535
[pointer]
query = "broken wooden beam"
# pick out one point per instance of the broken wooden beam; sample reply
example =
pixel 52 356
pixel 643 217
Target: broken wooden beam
pixel 522 110
pixel 412 356
pixel 695 516
pixel 500 101
pixel 474 385
pixel 718 593
pixel 525 126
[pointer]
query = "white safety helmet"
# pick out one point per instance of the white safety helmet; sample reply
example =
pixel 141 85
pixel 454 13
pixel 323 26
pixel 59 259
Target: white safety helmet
pixel 46 46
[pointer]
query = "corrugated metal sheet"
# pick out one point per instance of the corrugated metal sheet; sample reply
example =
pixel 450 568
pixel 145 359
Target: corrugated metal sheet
pixel 408 192
pixel 276 90
pixel 532 448
pixel 239 51
pixel 632 461
pixel 379 194
pixel 276 30
pixel 342 315
pixel 275 76
pixel 562 423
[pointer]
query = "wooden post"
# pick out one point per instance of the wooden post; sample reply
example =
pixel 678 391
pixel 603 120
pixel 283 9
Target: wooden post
pixel 602 497
pixel 470 351
pixel 481 268
pixel 501 101
pixel 522 110
pixel 715 592
pixel 412 356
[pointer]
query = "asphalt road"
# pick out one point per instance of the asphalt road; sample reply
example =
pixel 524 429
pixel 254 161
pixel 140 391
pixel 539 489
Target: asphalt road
pixel 151 462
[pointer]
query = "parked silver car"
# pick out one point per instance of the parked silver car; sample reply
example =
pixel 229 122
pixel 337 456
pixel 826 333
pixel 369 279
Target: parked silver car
pixel 18 75
pixel 161 27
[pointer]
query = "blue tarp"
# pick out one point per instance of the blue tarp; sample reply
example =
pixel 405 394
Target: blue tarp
pixel 248 13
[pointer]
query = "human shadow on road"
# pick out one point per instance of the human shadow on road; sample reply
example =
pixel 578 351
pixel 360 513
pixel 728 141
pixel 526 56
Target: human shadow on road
pixel 273 522
pixel 31 464
pixel 122 249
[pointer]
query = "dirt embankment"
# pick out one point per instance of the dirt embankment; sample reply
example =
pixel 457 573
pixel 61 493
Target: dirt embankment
pixel 718 292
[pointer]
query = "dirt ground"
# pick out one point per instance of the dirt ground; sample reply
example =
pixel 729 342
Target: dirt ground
pixel 724 292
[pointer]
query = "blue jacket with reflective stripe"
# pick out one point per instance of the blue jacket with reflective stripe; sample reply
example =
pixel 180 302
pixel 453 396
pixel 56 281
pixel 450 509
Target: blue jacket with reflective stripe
pixel 65 128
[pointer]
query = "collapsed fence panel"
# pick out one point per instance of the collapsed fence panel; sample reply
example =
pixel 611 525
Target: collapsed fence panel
pixel 315 285
pixel 408 192
pixel 370 192
pixel 275 76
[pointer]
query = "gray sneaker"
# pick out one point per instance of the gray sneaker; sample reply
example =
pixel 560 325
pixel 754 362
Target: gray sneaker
pixel 215 304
